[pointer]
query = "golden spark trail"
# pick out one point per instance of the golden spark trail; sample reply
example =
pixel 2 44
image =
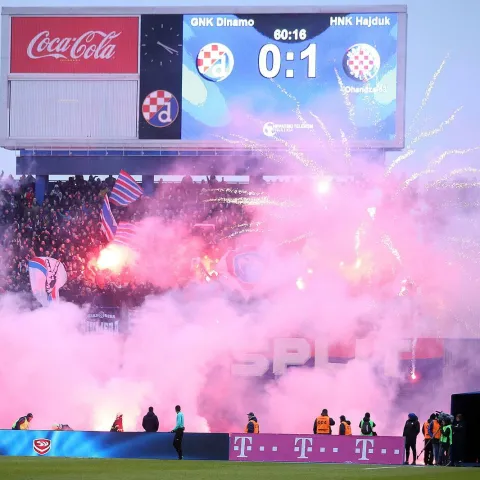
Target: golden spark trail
pixel 453 173
pixel 399 159
pixel 439 129
pixel 306 162
pixel 448 153
pixel 296 239
pixel 348 154
pixel 323 127
pixel 259 201
pixel 247 143
pixel 298 110
pixel 387 241
pixel 241 232
pixel 415 176
pixel 346 99
pixel 428 92
pixel 461 185
pixel 235 191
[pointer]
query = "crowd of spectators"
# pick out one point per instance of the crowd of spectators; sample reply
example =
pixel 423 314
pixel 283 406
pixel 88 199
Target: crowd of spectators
pixel 66 226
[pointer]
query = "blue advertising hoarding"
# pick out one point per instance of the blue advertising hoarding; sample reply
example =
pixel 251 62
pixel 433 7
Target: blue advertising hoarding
pixel 31 443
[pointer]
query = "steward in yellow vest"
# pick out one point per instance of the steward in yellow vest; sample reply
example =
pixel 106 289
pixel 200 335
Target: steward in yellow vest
pixel 23 423
pixel 323 424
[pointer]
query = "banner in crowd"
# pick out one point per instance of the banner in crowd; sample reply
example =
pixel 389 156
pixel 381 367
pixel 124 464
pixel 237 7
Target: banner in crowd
pixel 316 449
pixel 242 270
pixel 47 277
pixel 158 446
pixel 105 319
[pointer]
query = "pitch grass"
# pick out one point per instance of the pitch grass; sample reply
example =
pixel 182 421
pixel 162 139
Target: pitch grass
pixel 15 468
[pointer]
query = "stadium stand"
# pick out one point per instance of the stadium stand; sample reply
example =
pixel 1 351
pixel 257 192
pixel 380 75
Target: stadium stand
pixel 67 227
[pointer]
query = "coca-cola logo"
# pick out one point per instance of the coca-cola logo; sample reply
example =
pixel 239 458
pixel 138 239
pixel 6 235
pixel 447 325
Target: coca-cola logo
pixel 92 44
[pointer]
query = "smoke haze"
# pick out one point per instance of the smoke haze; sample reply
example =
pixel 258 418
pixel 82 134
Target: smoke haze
pixel 369 268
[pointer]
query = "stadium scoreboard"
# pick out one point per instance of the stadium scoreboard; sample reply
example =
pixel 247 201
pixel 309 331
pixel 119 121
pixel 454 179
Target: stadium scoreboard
pixel 158 77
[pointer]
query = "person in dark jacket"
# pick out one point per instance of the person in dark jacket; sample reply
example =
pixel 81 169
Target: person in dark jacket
pixel 459 440
pixel 410 432
pixel 367 425
pixel 252 424
pixel 150 421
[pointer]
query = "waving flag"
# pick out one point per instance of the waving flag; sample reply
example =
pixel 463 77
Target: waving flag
pixel 109 225
pixel 47 276
pixel 125 235
pixel 125 190
pixel 244 268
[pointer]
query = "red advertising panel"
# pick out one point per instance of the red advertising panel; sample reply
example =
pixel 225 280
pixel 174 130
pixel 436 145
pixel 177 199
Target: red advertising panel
pixel 74 45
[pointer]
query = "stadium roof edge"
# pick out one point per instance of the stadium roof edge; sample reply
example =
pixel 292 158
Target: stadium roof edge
pixel 201 10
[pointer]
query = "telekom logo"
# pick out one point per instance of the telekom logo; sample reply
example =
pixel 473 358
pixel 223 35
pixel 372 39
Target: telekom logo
pixel 243 446
pixel 304 446
pixel 366 443
pixel 92 44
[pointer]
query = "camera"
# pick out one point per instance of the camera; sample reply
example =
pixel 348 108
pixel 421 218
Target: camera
pixel 444 417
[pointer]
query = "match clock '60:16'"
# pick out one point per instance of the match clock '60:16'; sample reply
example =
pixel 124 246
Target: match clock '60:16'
pixel 270 61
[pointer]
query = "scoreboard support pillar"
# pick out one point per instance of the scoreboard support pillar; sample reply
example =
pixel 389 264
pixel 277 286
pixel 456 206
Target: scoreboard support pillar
pixel 41 185
pixel 148 184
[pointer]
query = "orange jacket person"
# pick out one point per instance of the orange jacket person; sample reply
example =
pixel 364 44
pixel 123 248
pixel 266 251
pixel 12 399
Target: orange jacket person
pixel 323 424
pixel 252 425
pixel 345 426
pixel 118 423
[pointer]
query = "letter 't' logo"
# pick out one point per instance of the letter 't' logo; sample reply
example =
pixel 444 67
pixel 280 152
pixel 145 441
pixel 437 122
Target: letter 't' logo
pixel 366 443
pixel 305 445
pixel 245 445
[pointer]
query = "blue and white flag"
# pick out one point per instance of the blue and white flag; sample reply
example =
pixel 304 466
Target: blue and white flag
pixel 109 225
pixel 125 235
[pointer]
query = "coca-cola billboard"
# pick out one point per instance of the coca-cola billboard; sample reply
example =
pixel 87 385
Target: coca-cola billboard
pixel 74 45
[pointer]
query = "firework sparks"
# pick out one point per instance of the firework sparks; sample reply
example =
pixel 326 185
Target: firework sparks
pixel 448 153
pixel 296 239
pixel 256 201
pixel 461 185
pixel 285 92
pixel 358 235
pixel 387 241
pixel 415 176
pixel 234 191
pixel 323 127
pixel 348 154
pixel 243 231
pixel 428 92
pixel 346 99
pixel 439 129
pixel 399 159
pixel 453 173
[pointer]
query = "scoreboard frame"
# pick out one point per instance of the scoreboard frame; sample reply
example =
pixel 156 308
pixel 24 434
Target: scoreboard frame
pixel 8 142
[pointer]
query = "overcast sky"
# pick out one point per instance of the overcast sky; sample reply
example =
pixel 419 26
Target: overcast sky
pixel 435 28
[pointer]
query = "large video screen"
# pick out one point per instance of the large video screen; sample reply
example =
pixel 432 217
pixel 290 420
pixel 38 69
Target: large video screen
pixel 269 76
